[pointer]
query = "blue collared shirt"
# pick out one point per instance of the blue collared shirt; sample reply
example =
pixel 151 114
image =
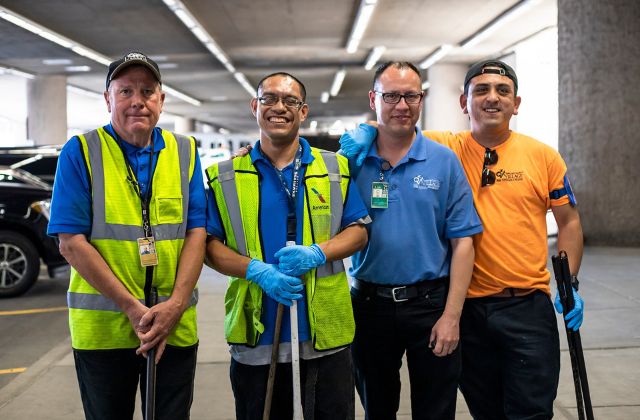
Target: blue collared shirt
pixel 430 202
pixel 273 229
pixel 71 200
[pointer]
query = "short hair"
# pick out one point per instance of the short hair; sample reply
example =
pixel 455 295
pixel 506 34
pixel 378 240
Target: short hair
pixel 303 90
pixel 397 64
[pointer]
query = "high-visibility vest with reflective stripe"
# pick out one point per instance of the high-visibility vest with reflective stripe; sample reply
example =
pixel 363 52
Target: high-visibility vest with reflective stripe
pixel 95 321
pixel 235 184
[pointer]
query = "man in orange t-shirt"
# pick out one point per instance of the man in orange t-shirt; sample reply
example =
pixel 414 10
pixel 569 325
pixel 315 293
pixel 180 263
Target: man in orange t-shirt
pixel 510 345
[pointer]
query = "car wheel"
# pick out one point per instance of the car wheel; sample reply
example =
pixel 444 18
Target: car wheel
pixel 19 264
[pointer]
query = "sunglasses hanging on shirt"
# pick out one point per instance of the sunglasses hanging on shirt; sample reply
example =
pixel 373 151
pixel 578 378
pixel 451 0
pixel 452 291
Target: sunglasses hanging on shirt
pixel 490 158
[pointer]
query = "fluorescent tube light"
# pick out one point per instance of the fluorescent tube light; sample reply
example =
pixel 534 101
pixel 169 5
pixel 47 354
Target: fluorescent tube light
pixel 374 56
pixel 506 16
pixel 337 82
pixel 360 25
pixel 436 56
pixel 324 98
pixel 242 79
pixel 181 95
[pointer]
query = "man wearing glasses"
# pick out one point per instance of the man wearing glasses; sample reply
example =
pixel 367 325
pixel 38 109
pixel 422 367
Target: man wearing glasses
pixel 284 192
pixel 412 277
pixel 511 356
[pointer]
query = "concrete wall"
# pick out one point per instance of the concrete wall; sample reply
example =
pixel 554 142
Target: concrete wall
pixel 599 130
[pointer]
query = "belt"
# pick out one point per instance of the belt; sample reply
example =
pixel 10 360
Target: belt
pixel 512 292
pixel 399 293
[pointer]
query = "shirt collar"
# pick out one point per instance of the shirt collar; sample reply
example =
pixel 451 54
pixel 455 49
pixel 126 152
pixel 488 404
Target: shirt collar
pixel 417 151
pixel 158 140
pixel 307 157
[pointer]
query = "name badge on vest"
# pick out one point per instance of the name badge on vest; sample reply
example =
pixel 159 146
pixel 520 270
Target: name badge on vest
pixel 147 251
pixel 379 195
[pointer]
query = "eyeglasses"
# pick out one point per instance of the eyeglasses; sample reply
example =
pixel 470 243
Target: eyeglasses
pixel 394 98
pixel 288 101
pixel 490 158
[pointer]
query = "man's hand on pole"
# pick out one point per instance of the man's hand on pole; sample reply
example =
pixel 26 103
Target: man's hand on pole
pixel 575 316
pixel 157 324
pixel 296 260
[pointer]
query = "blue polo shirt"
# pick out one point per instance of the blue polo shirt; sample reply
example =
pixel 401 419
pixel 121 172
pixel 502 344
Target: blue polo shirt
pixel 273 230
pixel 430 202
pixel 71 200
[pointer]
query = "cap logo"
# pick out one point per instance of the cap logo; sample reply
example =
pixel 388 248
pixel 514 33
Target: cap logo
pixel 135 56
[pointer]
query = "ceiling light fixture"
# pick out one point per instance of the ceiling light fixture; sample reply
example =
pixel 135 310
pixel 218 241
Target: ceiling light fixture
pixel 435 56
pixel 374 56
pixel 15 72
pixel 337 82
pixel 324 98
pixel 360 25
pixel 84 92
pixel 191 22
pixel 426 85
pixel 77 48
pixel 506 16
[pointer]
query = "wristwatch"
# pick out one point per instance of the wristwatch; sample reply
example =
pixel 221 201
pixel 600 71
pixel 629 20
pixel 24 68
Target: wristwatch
pixel 574 282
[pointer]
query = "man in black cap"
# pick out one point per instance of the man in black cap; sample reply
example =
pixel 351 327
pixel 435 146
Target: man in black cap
pixel 129 209
pixel 509 336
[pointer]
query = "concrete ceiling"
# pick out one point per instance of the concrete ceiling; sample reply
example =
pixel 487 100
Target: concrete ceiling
pixel 304 37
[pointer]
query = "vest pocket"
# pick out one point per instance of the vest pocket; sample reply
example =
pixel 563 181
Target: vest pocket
pixel 169 210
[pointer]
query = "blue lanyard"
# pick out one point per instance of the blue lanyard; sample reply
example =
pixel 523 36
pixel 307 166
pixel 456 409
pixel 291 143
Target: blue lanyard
pixel 291 193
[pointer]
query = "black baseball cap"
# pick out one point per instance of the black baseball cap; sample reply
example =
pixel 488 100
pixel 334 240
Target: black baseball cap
pixel 481 67
pixel 133 58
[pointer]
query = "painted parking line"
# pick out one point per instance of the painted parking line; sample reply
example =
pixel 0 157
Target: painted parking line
pixel 33 311
pixel 14 370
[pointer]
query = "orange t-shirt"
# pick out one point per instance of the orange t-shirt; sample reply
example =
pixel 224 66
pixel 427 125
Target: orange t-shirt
pixel 512 250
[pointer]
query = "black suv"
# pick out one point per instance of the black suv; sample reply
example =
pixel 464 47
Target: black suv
pixel 24 216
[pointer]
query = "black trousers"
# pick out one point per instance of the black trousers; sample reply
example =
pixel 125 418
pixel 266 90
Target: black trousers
pixel 384 331
pixel 326 382
pixel 510 357
pixel 108 381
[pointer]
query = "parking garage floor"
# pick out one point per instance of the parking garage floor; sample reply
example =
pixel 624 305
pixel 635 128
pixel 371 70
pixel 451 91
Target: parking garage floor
pixel 610 286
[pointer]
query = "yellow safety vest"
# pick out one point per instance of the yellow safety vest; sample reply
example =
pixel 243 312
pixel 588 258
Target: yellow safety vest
pixel 235 184
pixel 95 321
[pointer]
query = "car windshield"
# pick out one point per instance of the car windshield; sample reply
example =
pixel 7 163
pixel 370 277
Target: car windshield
pixel 18 176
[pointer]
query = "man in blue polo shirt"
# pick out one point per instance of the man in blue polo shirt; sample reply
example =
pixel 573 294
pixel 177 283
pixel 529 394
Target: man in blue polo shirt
pixel 412 277
pixel 285 191
pixel 129 209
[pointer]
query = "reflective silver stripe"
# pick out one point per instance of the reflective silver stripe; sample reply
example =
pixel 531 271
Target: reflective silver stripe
pixel 95 302
pixel 335 192
pixel 226 177
pixel 102 230
pixel 329 269
pixel 184 154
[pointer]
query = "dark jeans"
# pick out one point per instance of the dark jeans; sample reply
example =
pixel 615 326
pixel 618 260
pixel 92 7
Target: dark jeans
pixel 327 389
pixel 510 357
pixel 384 331
pixel 109 378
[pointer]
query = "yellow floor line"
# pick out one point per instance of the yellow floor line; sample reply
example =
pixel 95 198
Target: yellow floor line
pixel 14 370
pixel 34 311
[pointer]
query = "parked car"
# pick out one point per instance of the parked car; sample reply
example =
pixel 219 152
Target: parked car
pixel 40 161
pixel 25 200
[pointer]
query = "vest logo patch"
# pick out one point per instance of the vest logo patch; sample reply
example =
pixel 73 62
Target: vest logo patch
pixel 504 176
pixel 422 183
pixel 320 197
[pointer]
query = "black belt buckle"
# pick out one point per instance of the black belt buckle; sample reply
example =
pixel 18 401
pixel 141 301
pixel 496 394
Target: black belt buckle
pixel 397 289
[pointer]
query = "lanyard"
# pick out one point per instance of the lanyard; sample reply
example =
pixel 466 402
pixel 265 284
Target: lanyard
pixel 131 177
pixel 291 193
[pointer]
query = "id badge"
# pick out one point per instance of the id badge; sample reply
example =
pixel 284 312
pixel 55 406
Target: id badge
pixel 147 251
pixel 379 195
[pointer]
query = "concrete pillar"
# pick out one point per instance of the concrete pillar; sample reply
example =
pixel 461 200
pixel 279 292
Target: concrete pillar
pixel 599 132
pixel 442 107
pixel 47 109
pixel 185 125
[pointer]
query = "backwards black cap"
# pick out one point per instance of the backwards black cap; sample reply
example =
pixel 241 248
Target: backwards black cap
pixel 133 58
pixel 491 67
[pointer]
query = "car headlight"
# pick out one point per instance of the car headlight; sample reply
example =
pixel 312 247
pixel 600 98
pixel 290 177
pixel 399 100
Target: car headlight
pixel 43 207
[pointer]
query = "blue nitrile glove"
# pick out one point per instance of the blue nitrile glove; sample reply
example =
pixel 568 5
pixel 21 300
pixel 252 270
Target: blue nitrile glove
pixel 277 285
pixel 298 259
pixel 356 143
pixel 574 317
